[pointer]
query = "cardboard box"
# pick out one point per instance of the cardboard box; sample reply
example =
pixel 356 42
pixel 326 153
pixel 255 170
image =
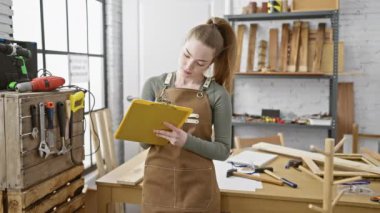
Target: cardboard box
pixel 313 5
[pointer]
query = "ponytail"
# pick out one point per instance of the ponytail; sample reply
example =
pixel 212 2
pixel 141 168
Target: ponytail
pixel 218 34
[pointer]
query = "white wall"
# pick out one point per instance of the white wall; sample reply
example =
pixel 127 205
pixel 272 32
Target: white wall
pixel 154 32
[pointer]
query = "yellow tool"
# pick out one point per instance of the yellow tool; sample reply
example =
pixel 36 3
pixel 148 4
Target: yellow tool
pixel 77 101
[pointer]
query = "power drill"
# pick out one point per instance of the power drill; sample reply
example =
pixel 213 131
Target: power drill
pixel 19 55
pixel 41 84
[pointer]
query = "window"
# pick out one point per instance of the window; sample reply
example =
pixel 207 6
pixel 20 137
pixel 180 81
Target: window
pixel 69 34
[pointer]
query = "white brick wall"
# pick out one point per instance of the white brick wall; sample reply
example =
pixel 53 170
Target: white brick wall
pixel 360 31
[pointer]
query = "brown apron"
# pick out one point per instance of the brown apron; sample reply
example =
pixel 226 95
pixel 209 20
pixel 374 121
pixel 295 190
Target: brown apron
pixel 175 179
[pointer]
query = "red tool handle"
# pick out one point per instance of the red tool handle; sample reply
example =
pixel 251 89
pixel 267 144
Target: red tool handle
pixel 50 114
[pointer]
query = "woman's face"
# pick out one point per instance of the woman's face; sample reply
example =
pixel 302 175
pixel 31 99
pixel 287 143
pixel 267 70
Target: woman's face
pixel 195 59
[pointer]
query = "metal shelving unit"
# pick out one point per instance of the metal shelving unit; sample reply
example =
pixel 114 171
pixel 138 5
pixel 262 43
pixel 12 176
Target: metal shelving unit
pixel 237 123
pixel 333 15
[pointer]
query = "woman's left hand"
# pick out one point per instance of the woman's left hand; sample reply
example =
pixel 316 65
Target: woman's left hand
pixel 177 137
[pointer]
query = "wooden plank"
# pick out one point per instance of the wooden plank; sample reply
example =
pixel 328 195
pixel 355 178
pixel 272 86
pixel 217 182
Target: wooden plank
pixel 3 169
pixel 49 168
pixel 304 47
pixel 60 196
pixel 374 161
pixel 12 142
pixel 110 138
pixel 273 49
pixel 373 154
pixel 345 109
pixel 262 55
pixel 317 54
pixel 96 143
pixel 328 34
pixel 251 47
pixel 133 176
pixel 312 165
pixel 316 156
pixel 327 60
pixel 75 204
pixel 240 36
pixel 294 46
pixel 284 48
pixel 37 192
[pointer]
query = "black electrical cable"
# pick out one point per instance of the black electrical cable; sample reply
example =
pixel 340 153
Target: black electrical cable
pixel 90 112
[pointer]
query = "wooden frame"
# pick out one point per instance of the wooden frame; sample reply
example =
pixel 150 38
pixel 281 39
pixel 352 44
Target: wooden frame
pixel 53 193
pixel 316 157
pixel 314 167
pixel 356 136
pixel 247 142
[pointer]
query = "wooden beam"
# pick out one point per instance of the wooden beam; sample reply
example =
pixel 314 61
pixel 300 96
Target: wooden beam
pixel 251 47
pixel 294 46
pixel 304 47
pixel 240 36
pixel 317 55
pixel 273 49
pixel 284 48
pixel 316 156
pixel 61 196
pixel 133 176
pixel 39 191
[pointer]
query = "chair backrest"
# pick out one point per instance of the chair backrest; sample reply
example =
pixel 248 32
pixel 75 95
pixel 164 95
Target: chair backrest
pixel 356 142
pixel 248 142
pixel 102 140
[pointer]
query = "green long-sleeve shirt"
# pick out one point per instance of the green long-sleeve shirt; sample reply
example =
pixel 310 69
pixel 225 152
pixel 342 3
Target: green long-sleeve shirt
pixel 220 104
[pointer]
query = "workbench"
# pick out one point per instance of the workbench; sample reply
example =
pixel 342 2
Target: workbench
pixel 272 198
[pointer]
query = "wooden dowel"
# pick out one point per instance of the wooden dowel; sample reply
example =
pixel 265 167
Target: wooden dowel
pixel 315 208
pixel 340 144
pixel 315 149
pixel 337 198
pixel 348 180
pixel 310 173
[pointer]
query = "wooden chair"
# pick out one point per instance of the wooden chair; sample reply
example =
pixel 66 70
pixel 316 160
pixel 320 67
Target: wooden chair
pixel 248 142
pixel 355 142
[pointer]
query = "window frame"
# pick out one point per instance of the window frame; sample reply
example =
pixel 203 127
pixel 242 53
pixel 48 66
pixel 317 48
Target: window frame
pixel 43 51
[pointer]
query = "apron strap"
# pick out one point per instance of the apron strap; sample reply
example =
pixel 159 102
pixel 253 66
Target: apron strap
pixel 167 81
pixel 204 87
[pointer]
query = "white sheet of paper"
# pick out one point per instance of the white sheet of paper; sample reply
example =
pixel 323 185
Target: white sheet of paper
pixel 233 183
pixel 252 158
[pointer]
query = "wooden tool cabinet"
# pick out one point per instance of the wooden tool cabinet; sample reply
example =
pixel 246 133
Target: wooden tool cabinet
pixel 31 183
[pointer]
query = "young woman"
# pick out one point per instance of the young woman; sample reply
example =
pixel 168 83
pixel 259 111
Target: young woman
pixel 180 176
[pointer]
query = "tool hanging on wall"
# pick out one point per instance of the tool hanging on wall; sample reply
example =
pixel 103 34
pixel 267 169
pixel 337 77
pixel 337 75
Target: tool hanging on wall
pixel 43 148
pixel 50 134
pixel 62 126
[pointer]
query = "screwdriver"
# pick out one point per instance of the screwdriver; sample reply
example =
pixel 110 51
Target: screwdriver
pixel 61 120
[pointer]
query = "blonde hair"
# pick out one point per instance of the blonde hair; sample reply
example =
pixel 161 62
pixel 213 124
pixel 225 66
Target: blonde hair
pixel 218 34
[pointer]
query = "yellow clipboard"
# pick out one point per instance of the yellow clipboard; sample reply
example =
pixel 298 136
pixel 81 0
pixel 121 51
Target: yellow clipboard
pixel 144 116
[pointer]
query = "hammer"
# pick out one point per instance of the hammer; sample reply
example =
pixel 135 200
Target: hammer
pixel 234 172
